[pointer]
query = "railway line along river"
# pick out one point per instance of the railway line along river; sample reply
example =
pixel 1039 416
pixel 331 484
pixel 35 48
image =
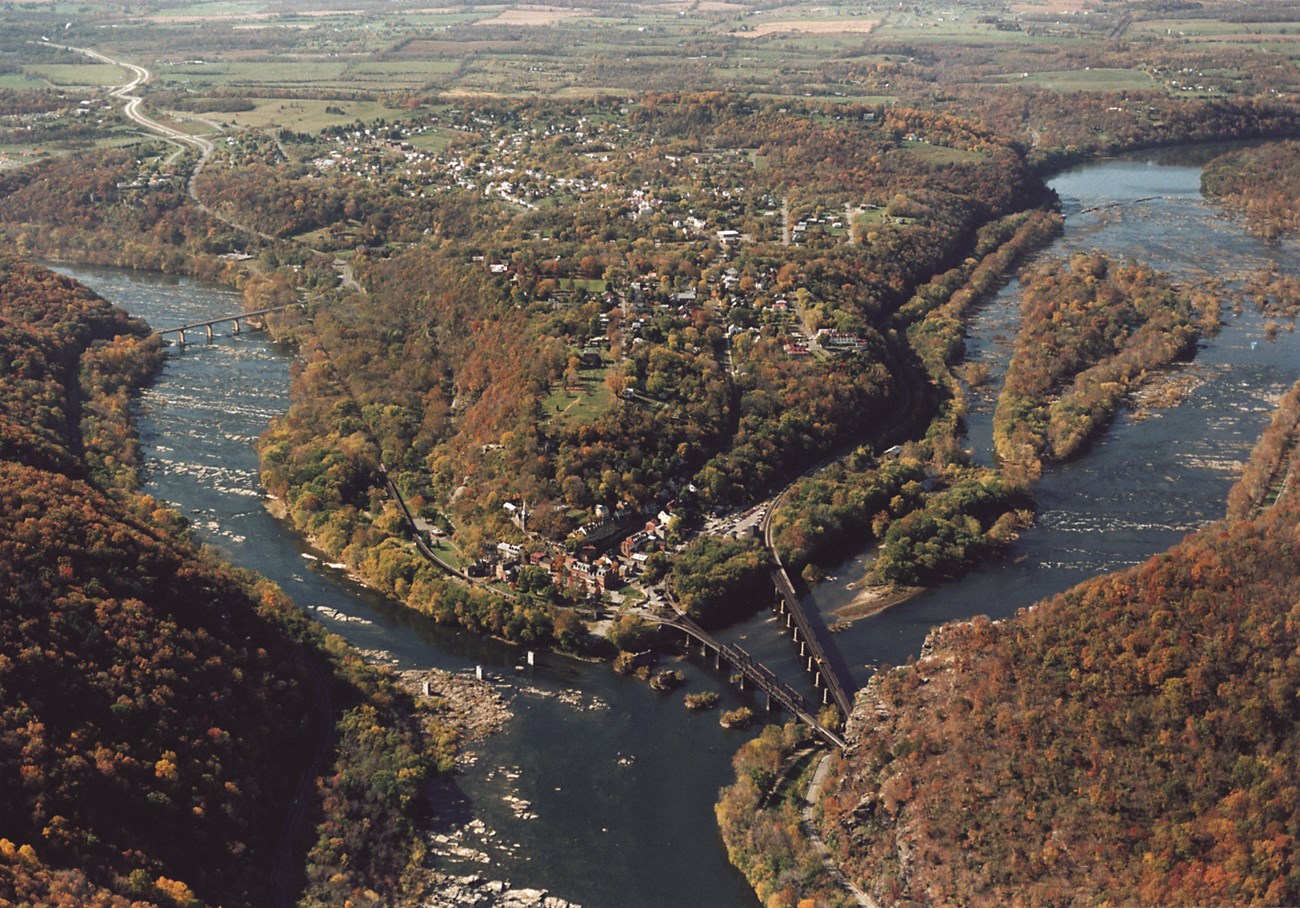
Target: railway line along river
pixel 600 790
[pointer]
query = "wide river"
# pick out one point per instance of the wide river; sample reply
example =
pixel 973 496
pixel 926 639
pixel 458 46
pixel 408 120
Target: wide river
pixel 619 782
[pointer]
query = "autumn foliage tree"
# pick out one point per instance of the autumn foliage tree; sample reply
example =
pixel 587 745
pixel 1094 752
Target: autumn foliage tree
pixel 157 708
pixel 1131 740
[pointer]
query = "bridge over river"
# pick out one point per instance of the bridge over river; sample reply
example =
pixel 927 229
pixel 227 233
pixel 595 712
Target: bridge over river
pixel 826 676
pixel 752 671
pixel 208 324
pixel 756 673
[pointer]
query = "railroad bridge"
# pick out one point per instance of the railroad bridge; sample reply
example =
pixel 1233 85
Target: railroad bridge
pixel 788 605
pixel 208 324
pixel 825 677
pixel 778 692
pixel 755 672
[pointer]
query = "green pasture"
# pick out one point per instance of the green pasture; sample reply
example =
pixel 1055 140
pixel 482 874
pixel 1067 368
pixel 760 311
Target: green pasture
pixel 296 74
pixel 869 217
pixel 591 285
pixel 401 73
pixel 70 74
pixel 14 156
pixel 945 25
pixel 184 122
pixel 222 8
pixel 434 139
pixel 447 552
pixel 21 82
pixel 1086 80
pixel 447 19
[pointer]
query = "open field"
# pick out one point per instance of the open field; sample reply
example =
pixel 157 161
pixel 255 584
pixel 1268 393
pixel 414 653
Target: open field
pixel 809 26
pixel 63 75
pixel 1087 80
pixel 513 50
pixel 583 405
pixel 21 82
pixel 434 140
pixel 302 114
pixel 535 15
pixel 1201 28
pixel 1051 6
pixel 447 552
pixel 216 9
pixel 362 50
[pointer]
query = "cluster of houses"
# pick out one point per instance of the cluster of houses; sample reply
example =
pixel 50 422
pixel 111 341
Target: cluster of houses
pixel 799 230
pixel 509 173
pixel 589 569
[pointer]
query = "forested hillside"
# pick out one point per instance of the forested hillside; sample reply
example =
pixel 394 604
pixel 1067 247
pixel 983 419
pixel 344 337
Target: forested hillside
pixel 1132 741
pixel 1261 182
pixel 157 710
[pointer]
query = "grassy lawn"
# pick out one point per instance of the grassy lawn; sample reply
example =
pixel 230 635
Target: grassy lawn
pixel 632 597
pixel 434 140
pixel 583 406
pixel 1200 28
pixel 591 285
pixel 388 74
pixel 21 81
pixel 213 8
pixel 298 74
pixel 447 552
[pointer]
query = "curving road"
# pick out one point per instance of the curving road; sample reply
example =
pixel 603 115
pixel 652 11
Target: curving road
pixel 132 101
pixel 131 107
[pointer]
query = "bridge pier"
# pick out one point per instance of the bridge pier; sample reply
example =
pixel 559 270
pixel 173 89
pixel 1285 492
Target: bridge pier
pixel 235 323
pixel 717 660
pixel 817 679
pixel 208 329
pixel 826 696
pixel 803 649
pixel 789 620
pixel 769 701
pixel 182 342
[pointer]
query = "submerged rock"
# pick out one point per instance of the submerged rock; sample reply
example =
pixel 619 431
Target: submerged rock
pixel 476 892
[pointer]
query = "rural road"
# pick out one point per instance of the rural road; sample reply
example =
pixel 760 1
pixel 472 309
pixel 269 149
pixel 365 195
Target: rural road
pixel 131 107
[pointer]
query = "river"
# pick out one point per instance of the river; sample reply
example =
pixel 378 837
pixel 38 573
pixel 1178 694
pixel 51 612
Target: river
pixel 1141 486
pixel 620 781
